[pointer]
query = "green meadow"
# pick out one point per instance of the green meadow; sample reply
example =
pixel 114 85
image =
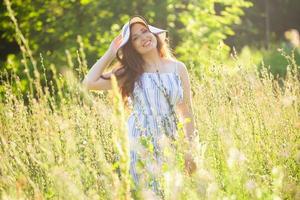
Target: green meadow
pixel 60 141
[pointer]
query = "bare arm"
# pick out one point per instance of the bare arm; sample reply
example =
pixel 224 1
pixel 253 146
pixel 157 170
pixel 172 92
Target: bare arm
pixel 92 80
pixel 185 111
pixel 185 108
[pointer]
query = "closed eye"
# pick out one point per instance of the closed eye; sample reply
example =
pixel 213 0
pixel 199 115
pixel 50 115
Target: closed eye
pixel 143 31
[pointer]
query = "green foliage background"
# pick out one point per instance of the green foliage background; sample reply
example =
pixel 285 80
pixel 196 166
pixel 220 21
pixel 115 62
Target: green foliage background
pixel 60 142
pixel 53 27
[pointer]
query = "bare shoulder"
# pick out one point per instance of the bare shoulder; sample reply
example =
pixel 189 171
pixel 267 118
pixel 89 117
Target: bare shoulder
pixel 176 63
pixel 181 67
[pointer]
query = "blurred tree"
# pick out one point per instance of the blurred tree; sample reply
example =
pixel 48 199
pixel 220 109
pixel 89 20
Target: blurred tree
pixel 53 26
pixel 258 20
pixel 201 27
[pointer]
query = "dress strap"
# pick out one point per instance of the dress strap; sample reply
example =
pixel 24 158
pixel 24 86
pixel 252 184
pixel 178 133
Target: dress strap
pixel 176 68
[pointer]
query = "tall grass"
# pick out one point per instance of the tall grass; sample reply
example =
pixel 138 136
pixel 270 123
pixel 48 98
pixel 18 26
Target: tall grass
pixel 66 143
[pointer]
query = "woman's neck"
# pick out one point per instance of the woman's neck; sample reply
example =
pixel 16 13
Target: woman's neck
pixel 152 60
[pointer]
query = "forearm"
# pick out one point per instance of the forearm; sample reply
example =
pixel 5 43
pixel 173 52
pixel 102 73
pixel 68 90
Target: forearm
pixel 187 119
pixel 189 126
pixel 98 68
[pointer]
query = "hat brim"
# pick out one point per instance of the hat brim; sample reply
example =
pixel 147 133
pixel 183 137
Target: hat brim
pixel 138 19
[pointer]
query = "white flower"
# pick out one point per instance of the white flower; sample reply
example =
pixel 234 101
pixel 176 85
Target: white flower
pixel 135 145
pixel 173 183
pixel 149 195
pixel 235 157
pixel 46 123
pixel 205 176
pixel 288 100
pixel 250 185
pixel 277 174
pixel 276 197
pixel 212 189
pixel 63 125
pixel 153 168
pixel 258 193
pixel 10 114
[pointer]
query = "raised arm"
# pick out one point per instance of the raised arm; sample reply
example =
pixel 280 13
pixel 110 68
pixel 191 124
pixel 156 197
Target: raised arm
pixel 93 80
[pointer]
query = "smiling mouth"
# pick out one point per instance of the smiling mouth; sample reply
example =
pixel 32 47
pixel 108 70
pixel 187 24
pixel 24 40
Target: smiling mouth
pixel 147 43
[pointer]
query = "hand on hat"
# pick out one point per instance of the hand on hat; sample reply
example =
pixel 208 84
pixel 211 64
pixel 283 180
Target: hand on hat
pixel 113 47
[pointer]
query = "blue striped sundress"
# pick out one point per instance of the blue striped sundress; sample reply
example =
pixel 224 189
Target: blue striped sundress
pixel 153 101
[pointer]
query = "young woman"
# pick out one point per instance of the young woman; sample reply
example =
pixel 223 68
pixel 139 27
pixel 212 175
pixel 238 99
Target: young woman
pixel 156 85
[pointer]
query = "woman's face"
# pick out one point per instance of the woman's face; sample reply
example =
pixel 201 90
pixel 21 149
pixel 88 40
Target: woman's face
pixel 142 39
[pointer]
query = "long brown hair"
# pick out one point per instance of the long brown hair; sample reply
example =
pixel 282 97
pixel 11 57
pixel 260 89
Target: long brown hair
pixel 131 63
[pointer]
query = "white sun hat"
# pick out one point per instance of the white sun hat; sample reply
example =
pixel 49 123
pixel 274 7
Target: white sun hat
pixel 139 19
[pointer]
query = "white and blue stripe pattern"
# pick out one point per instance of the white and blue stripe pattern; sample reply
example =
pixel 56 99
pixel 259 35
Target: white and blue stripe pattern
pixel 154 98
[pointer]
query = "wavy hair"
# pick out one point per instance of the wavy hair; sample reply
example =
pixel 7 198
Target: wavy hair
pixel 131 63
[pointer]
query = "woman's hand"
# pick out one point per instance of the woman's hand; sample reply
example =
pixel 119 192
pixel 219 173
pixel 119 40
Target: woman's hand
pixel 114 45
pixel 189 163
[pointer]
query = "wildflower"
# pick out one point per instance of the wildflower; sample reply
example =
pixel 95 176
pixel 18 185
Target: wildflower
pixel 277 174
pixel 285 153
pixel 10 114
pixel 205 176
pixel 164 141
pixel 46 123
pixel 149 195
pixel 276 197
pixel 250 185
pixel 212 189
pixel 153 168
pixel 258 193
pixel 63 125
pixel 174 183
pixel 226 137
pixel 235 157
pixel 288 100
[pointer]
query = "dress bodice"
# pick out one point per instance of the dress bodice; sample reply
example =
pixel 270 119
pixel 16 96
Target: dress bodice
pixel 157 93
